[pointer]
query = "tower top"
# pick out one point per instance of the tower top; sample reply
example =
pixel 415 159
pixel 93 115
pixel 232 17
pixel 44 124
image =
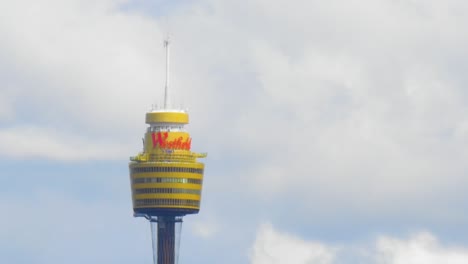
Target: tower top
pixel 166 114
pixel 166 86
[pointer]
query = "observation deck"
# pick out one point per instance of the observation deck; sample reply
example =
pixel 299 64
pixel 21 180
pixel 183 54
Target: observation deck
pixel 166 178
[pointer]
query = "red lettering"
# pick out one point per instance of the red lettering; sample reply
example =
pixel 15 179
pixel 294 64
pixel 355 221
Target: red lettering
pixel 178 143
pixel 160 139
pixel 187 144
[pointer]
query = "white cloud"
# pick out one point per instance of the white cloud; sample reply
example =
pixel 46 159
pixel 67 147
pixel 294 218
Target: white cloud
pixel 420 248
pixel 33 142
pixel 273 246
pixel 85 69
pixel 356 104
pixel 205 228
pixel 83 62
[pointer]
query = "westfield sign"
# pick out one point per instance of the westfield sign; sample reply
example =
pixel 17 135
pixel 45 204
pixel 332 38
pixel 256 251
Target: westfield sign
pixel 160 140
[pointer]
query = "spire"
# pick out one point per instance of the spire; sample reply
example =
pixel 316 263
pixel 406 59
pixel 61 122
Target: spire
pixel 166 86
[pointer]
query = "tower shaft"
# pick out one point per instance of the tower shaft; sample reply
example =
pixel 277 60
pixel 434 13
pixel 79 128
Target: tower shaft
pixel 166 240
pixel 165 232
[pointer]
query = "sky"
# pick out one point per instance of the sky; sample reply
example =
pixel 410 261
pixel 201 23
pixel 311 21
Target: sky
pixel 336 131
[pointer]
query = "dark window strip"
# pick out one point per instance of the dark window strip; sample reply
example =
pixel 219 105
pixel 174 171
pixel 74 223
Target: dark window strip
pixel 170 202
pixel 166 190
pixel 166 169
pixel 167 180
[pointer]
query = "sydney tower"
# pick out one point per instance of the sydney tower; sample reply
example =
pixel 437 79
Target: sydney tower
pixel 166 178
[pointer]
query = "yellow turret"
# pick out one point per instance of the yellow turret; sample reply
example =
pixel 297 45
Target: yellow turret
pixel 166 177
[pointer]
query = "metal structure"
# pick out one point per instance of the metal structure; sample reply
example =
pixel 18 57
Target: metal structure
pixel 166 178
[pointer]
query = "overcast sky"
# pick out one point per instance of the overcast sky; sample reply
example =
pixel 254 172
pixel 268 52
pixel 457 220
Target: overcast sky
pixel 336 131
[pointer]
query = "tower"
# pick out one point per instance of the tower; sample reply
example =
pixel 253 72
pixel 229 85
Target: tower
pixel 166 178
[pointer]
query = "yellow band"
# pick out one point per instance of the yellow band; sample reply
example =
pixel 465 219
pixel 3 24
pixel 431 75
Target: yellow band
pixel 167 117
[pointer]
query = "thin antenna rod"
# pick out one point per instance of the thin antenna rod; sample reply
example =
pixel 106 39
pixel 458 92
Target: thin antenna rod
pixel 166 87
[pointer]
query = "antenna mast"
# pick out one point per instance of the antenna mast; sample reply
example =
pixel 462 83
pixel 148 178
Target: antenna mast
pixel 166 86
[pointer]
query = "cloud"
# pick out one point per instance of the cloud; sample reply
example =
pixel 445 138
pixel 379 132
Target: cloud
pixel 357 105
pixel 33 142
pixel 420 248
pixel 78 69
pixel 205 228
pixel 273 246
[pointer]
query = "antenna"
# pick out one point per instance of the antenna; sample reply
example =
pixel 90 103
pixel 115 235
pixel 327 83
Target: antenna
pixel 166 86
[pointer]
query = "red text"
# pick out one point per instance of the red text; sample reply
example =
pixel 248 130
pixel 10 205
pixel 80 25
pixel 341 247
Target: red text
pixel 160 139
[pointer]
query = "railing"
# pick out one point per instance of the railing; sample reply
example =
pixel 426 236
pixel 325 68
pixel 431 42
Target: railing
pixel 169 155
